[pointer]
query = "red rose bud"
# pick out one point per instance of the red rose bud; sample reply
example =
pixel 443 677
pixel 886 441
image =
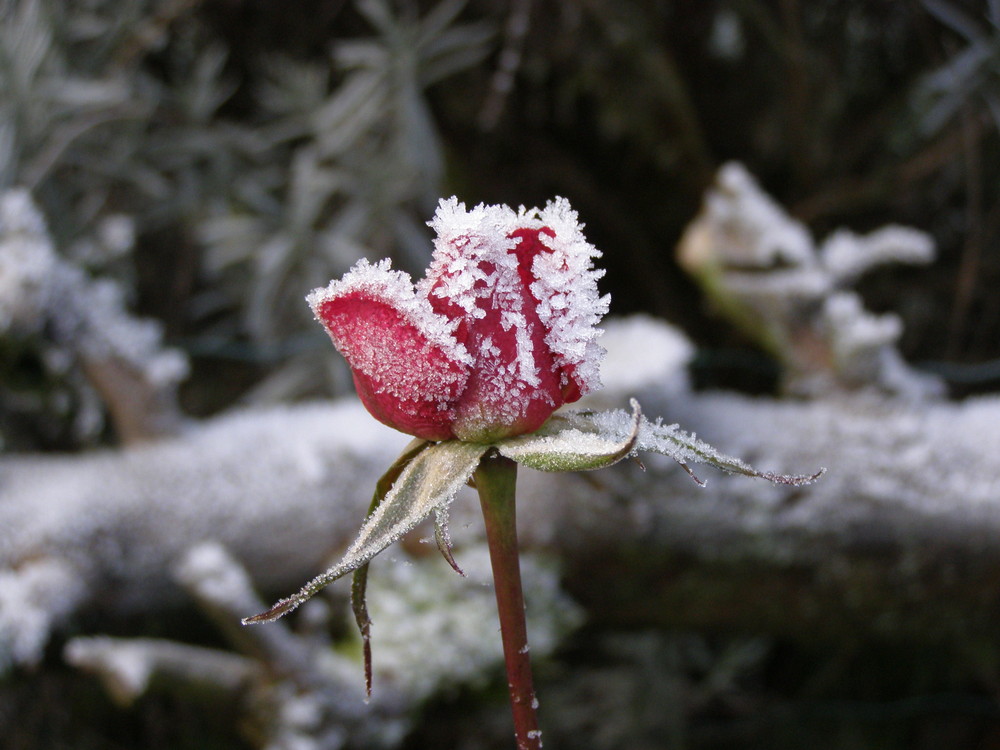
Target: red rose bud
pixel 500 334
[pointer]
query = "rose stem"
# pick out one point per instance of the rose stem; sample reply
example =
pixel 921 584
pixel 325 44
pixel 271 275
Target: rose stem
pixel 495 479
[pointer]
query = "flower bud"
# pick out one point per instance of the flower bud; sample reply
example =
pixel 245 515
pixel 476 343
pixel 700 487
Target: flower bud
pixel 500 333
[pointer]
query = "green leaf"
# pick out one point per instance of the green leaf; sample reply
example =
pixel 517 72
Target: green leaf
pixel 429 481
pixel 569 443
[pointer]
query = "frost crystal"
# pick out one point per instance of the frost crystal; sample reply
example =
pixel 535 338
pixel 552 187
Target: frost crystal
pixel 394 288
pixel 765 272
pixel 500 332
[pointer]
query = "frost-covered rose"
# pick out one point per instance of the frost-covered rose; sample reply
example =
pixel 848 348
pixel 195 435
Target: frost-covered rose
pixel 499 334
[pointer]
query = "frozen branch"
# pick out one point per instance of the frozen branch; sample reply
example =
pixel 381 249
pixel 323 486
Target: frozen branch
pixel 906 515
pixel 129 667
pixel 763 271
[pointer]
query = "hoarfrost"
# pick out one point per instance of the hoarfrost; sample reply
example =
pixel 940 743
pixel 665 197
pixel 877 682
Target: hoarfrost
pixel 433 629
pixel 394 289
pixel 766 274
pixel 33 599
pixel 565 284
pixel 27 261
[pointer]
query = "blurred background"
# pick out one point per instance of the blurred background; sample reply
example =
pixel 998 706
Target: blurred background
pixel 177 174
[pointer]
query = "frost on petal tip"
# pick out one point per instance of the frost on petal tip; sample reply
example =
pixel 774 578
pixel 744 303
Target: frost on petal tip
pixel 570 305
pixel 408 367
pixel 396 290
pixel 564 280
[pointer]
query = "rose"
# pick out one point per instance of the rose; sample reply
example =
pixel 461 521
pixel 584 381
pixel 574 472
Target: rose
pixel 499 334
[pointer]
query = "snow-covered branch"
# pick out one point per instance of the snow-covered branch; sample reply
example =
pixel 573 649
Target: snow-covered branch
pixel 910 502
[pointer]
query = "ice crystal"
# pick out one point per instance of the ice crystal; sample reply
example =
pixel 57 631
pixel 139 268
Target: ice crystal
pixel 500 332
pixel 394 288
pixel 564 280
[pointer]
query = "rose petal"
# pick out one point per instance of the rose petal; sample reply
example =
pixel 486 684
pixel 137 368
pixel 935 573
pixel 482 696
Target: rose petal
pixel 408 368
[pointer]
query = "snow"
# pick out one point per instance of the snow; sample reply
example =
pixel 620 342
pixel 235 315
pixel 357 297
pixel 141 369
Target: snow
pixel 765 272
pixel 104 329
pixel 207 567
pixel 643 352
pixel 767 236
pixel 433 629
pixel 128 664
pixel 86 316
pixel 847 256
pixel 33 599
pixel 271 480
pixel 27 261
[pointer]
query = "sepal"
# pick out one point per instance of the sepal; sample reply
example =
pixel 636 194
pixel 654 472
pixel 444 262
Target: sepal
pixel 429 481
pixel 571 443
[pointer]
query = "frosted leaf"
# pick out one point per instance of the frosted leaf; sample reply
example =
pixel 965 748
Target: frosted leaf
pixel 560 446
pixel 684 448
pixel 668 440
pixel 429 482
pixel 442 537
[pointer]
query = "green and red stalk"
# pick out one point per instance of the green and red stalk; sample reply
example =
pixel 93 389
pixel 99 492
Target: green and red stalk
pixel 495 480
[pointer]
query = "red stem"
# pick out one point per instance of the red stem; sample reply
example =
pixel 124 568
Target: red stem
pixel 495 480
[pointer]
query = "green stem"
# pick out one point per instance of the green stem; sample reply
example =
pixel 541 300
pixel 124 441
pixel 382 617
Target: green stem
pixel 495 479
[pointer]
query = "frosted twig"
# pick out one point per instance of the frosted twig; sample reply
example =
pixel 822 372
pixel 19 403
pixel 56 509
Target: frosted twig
pixel 128 667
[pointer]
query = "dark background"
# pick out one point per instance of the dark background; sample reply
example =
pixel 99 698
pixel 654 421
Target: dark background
pixel 214 112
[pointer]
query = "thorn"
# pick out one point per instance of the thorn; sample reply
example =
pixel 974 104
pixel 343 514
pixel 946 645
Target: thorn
pixel 699 482
pixel 443 539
